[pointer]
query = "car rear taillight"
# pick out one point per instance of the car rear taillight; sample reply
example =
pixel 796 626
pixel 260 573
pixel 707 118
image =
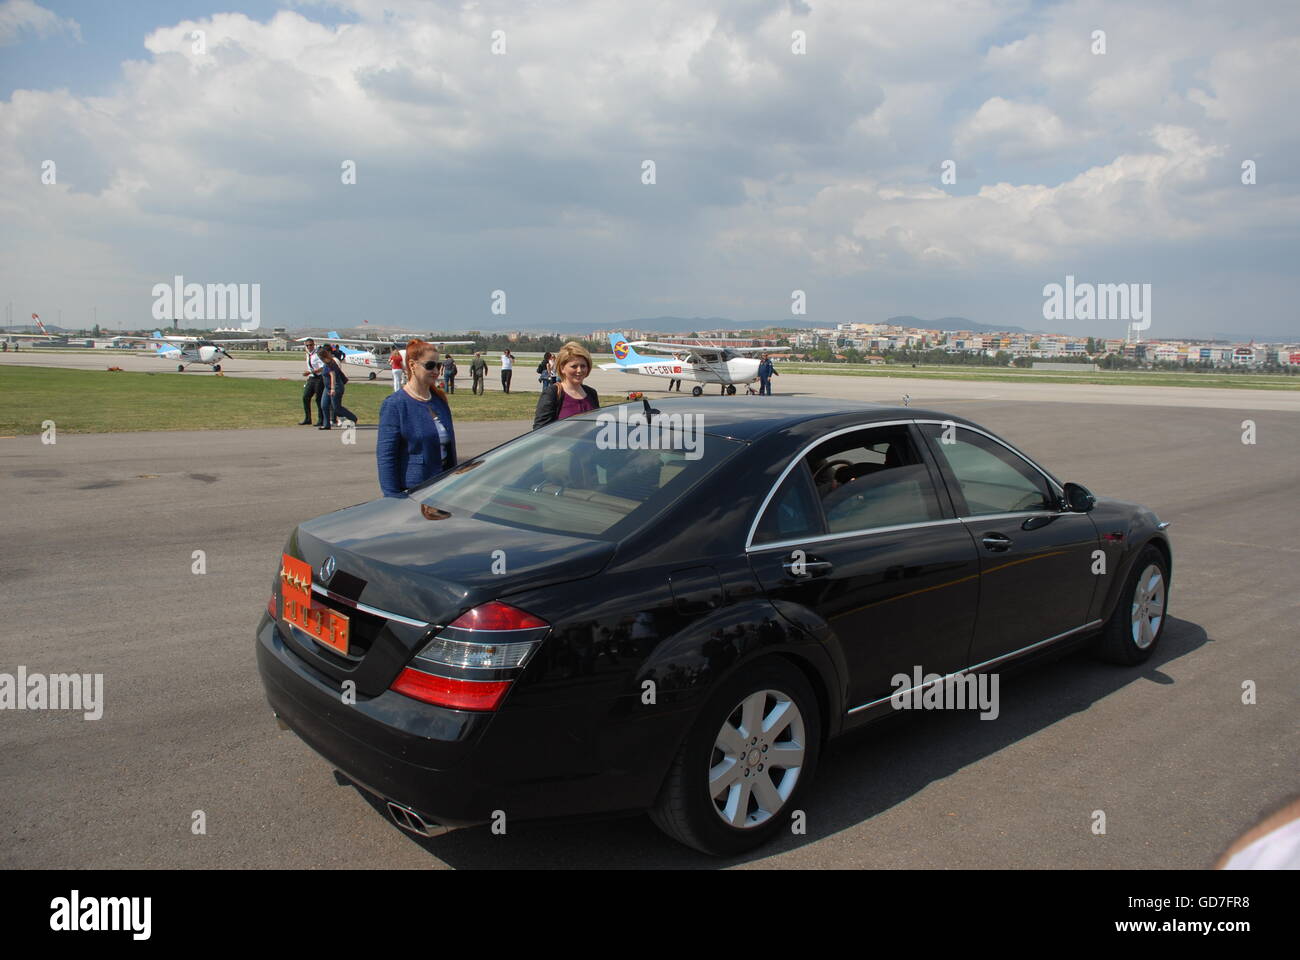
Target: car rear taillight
pixel 470 663
pixel 270 605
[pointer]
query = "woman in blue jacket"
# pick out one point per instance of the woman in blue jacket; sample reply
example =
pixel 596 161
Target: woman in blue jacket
pixel 416 438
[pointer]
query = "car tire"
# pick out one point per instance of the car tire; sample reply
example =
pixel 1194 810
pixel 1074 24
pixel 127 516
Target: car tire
pixel 1133 630
pixel 761 795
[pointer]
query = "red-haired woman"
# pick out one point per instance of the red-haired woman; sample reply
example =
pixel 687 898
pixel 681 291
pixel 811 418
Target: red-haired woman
pixel 416 438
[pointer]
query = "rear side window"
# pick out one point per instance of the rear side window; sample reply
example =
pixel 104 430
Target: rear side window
pixel 793 513
pixel 873 478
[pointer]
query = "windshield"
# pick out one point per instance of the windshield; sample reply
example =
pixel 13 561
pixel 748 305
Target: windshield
pixel 569 478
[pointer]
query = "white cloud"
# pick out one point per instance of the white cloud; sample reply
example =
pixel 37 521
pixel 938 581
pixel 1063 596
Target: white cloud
pixel 1012 129
pixel 25 16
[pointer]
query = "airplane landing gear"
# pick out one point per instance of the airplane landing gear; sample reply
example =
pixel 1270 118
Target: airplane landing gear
pixel 372 374
pixel 216 368
pixel 696 391
pixel 731 389
pixel 180 368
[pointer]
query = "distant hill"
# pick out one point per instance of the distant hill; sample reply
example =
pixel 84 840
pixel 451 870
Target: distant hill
pixel 681 324
pixel 961 323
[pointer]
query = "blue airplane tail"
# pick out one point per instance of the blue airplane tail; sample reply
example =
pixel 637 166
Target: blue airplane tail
pixel 333 335
pixel 623 352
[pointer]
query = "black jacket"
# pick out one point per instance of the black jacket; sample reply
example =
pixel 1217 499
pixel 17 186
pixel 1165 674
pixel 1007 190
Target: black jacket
pixel 549 403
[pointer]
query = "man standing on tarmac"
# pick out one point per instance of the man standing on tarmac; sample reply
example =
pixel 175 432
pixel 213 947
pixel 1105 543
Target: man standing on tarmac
pixel 314 387
pixel 766 371
pixel 478 370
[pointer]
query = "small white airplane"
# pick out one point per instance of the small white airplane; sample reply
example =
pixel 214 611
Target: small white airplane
pixel 378 353
pixel 724 366
pixel 191 350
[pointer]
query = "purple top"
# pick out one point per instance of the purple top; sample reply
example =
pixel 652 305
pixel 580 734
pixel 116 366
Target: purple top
pixel 570 406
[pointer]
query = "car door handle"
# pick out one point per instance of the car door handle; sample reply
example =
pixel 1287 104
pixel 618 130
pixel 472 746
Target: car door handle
pixel 996 542
pixel 809 568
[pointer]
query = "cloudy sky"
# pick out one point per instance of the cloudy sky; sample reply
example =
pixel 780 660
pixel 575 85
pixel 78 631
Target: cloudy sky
pixel 521 168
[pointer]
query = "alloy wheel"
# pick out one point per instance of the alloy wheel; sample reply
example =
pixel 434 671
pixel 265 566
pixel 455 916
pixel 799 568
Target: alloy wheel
pixel 1148 611
pixel 757 759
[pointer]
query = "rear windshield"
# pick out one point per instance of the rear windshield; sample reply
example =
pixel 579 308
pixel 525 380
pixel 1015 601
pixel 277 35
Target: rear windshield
pixel 572 477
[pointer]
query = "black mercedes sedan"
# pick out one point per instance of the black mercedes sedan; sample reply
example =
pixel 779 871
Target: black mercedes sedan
pixel 672 610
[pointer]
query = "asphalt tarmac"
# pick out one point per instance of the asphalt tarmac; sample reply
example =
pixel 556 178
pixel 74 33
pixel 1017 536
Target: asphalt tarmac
pixel 98 575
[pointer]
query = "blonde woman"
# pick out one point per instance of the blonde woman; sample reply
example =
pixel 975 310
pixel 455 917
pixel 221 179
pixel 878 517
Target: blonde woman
pixel 570 395
pixel 416 439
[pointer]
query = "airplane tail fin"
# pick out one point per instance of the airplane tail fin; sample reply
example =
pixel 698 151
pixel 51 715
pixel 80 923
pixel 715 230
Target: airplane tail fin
pixel 623 352
pixel 333 335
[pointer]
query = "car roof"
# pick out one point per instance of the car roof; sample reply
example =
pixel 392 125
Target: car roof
pixel 748 419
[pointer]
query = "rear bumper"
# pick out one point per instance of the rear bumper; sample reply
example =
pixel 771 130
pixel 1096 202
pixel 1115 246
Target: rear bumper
pixel 459 768
pixel 397 748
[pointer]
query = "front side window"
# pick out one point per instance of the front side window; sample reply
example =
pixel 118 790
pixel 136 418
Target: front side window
pixel 991 478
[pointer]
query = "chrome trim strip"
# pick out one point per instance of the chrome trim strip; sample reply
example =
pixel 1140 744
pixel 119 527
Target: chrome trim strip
pixel 798 458
pixel 869 531
pixel 978 666
pixel 1163 524
pixel 1021 513
pixel 366 608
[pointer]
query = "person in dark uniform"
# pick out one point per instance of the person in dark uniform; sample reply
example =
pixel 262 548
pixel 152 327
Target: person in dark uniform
pixel 416 438
pixel 477 370
pixel 315 385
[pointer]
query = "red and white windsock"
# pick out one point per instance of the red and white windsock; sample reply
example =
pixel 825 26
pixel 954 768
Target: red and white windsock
pixel 39 326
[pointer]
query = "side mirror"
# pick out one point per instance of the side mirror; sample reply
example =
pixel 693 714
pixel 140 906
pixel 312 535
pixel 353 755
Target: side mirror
pixel 1078 499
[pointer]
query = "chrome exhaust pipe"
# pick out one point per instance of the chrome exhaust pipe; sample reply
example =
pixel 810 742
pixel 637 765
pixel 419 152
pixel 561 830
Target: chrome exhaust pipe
pixel 408 819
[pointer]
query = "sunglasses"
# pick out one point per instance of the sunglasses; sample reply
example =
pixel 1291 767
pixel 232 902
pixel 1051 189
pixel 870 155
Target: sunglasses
pixel 431 364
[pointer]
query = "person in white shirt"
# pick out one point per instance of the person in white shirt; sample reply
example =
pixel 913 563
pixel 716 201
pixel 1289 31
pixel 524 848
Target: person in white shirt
pixel 314 387
pixel 507 369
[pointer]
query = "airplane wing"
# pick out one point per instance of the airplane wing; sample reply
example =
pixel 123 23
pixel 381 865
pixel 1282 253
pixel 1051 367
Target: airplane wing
pixel 396 342
pixel 671 347
pixel 701 347
pixel 347 340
